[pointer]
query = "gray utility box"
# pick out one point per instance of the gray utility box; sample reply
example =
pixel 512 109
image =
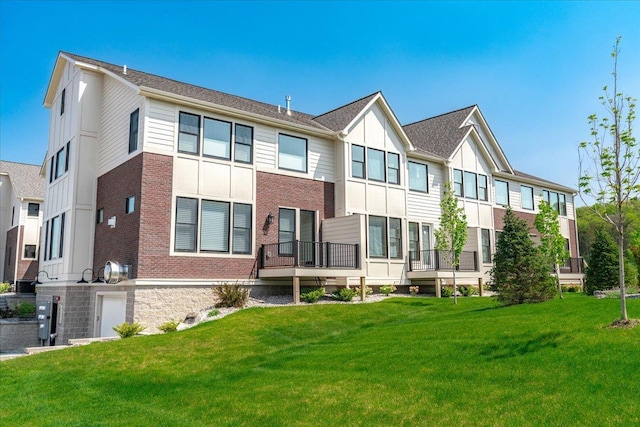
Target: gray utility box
pixel 44 320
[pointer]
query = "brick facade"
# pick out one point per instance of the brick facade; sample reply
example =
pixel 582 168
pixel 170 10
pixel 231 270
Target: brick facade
pixel 27 268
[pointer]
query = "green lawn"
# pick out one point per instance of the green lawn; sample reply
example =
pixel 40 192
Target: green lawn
pixel 404 361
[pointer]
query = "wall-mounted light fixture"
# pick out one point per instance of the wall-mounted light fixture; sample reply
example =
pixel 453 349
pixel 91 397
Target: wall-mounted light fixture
pixel 270 218
pixel 111 222
pixel 98 278
pixel 82 278
pixel 38 282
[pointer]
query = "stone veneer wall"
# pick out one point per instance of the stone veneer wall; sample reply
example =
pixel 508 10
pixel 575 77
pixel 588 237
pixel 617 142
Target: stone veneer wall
pixel 16 335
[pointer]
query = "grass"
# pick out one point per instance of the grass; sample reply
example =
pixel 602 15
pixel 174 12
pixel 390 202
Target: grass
pixel 404 361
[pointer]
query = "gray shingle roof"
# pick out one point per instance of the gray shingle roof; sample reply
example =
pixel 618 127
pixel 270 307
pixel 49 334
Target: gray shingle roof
pixel 25 179
pixel 338 119
pixel 140 78
pixel 540 180
pixel 439 135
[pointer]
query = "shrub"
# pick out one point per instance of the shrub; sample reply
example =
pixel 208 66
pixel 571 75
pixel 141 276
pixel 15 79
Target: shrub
pixel 467 291
pixel 387 289
pixel 127 330
pixel 344 294
pixel 602 271
pixel 213 313
pixel 414 289
pixel 368 290
pixel 231 295
pixel 446 292
pixel 312 295
pixel 4 287
pixel 25 308
pixel 170 326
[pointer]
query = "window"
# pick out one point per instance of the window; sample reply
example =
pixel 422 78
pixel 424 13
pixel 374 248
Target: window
pixel 286 231
pixel 130 205
pixel 483 194
pixel 470 185
pixel 486 245
pixel 100 216
pixel 393 168
pixel 418 177
pixel 554 201
pixel 357 161
pixel 545 196
pixel 217 139
pixel 502 193
pixel 241 228
pixel 133 131
pixel 563 205
pixel 457 183
pixel 186 223
pixel 292 153
pixel 33 209
pixel 414 240
pixel 51 169
pixel 56 238
pixel 377 237
pixel 214 228
pixel 61 161
pixel 29 251
pixel 62 100
pixel 13 214
pixel 395 238
pixel 46 241
pixel 244 144
pixel 375 164
pixel 189 133
pixel 527 197
pixel 66 162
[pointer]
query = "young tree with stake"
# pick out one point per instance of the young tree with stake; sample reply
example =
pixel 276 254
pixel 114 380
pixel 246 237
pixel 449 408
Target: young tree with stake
pixel 552 243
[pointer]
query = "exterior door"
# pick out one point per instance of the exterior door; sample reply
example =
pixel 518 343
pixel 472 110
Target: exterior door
pixel 111 311
pixel 426 245
pixel 307 237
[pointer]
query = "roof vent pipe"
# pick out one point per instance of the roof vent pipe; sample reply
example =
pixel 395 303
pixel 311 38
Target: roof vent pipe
pixel 288 100
pixel 124 69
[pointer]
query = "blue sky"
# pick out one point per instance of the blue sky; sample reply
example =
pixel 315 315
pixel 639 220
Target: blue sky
pixel 536 69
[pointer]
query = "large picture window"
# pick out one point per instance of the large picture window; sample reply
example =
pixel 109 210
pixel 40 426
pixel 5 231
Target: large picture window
pixel 418 177
pixel 502 193
pixel 375 165
pixel 217 139
pixel 292 153
pixel 189 133
pixel 214 227
pixel 377 237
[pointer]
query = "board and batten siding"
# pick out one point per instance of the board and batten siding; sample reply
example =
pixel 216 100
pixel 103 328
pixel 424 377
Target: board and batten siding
pixel 118 102
pixel 159 127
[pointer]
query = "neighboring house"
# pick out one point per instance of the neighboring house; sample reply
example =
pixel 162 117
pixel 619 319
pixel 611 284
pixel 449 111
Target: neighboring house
pixel 21 197
pixel 185 187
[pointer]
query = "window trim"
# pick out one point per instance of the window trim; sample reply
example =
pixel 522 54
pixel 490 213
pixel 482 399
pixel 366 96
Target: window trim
pixel 133 131
pixel 35 252
pixel 426 177
pixel 306 153
pixel 236 143
pixel 231 142
pixel 506 183
pixel 193 153
pixel 389 168
pixel 29 209
pixel 485 188
pixel 384 165
pixel 363 162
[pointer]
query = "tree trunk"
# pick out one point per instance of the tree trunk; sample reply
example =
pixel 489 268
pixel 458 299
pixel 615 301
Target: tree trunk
pixel 623 296
pixel 455 290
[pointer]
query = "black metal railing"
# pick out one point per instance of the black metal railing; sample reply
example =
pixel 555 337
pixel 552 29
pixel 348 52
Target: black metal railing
pixel 310 254
pixel 440 260
pixel 572 265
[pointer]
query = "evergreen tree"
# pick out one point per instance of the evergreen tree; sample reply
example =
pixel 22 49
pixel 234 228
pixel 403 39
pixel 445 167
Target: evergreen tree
pixel 602 272
pixel 520 273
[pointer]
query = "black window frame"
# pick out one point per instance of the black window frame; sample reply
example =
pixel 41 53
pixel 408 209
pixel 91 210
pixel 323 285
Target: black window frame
pixel 485 188
pixel 24 253
pixel 562 204
pixel 60 167
pixel 485 249
pixel 396 169
pixel 236 143
pixel 235 227
pixel 228 228
pixel 180 132
pixel 363 163
pixel 100 216
pixel 398 239
pixel 63 97
pixel 458 182
pixel 230 141
pixel 134 124
pixel 384 164
pixel 285 247
pixel 506 183
pixel 30 210
pixel 522 198
pixel 467 176
pixel 126 205
pixel 194 226
pixel 426 177
pixel 306 153
pixel 385 237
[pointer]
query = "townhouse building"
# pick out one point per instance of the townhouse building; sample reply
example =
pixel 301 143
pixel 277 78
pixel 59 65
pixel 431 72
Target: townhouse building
pixel 21 199
pixel 157 189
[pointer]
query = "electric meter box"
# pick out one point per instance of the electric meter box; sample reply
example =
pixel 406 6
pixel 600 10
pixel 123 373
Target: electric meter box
pixel 44 319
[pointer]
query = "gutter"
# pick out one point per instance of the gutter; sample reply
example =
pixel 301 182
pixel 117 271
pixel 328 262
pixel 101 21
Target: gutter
pixel 546 184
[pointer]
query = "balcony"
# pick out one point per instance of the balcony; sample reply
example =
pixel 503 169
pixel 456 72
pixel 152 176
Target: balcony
pixel 434 260
pixel 300 258
pixel 572 266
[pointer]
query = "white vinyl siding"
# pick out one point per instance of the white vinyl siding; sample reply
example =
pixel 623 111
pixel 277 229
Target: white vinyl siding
pixel 160 127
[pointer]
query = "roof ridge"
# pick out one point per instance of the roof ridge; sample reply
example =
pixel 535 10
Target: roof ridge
pixel 346 105
pixel 185 83
pixel 440 115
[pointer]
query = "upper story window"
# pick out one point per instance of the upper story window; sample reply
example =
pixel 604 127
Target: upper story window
pixel 33 209
pixel 61 163
pixel 243 150
pixel 470 185
pixel 189 133
pixel 357 161
pixel 393 168
pixel 63 97
pixel 54 238
pixel 457 183
pixel 100 216
pixel 217 139
pixel 375 165
pixel 557 201
pixel 483 194
pixel 130 205
pixel 418 177
pixel 29 251
pixel 502 192
pixel 133 130
pixel 292 153
pixel 527 197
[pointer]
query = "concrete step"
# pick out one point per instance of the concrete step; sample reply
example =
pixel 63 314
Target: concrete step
pixel 36 350
pixel 85 341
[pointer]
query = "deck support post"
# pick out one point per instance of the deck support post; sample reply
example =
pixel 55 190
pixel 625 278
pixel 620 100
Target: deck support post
pixel 480 286
pixel 296 290
pixel 438 287
pixel 363 289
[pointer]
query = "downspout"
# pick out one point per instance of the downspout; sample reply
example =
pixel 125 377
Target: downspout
pixel 18 251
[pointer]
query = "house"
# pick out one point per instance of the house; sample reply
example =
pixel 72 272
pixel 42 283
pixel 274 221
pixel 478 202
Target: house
pixel 157 189
pixel 21 198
